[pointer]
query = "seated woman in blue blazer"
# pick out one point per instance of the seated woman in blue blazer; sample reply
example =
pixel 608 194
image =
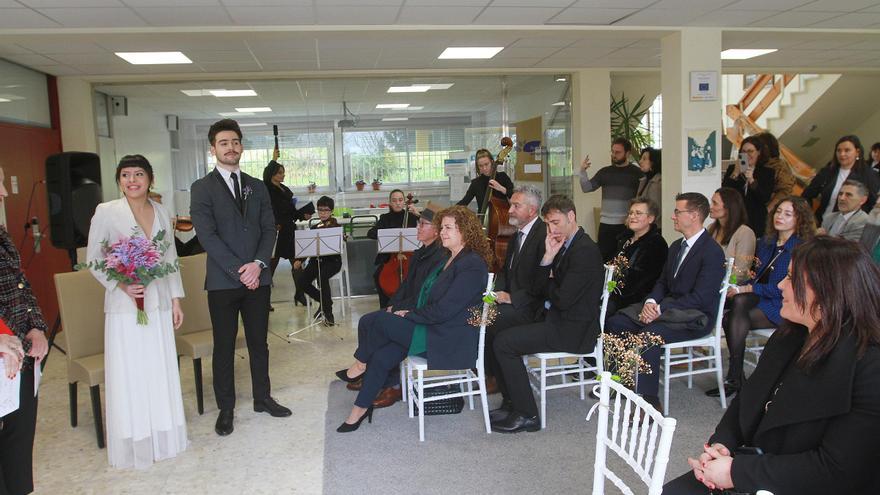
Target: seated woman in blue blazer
pixel 807 421
pixel 438 327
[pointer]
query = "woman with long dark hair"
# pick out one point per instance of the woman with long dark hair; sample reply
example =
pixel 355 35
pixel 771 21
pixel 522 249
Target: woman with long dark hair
pixel 650 187
pixel 730 229
pixel 286 215
pixel 806 421
pixel 848 163
pixel 755 183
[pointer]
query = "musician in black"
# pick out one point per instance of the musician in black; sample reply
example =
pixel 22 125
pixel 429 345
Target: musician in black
pixel 502 185
pixel 329 266
pixel 394 219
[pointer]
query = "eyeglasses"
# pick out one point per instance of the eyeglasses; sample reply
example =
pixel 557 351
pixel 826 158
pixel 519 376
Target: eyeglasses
pixel 325 209
pixel 636 213
pixel 679 212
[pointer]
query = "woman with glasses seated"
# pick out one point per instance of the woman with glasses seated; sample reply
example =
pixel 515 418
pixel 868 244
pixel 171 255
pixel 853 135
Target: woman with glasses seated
pixel 808 419
pixel 437 327
pixel 327 266
pixel 644 250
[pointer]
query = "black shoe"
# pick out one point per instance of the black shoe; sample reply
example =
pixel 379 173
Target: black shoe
pixel 328 319
pixel 515 423
pixel 300 299
pixel 271 308
pixel 269 405
pixel 346 427
pixel 317 314
pixel 224 426
pixel 500 414
pixel 343 375
pixel 730 389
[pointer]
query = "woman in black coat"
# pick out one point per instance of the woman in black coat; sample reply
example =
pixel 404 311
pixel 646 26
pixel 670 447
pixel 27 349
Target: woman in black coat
pixel 645 251
pixel 26 347
pixel 437 327
pixel 848 163
pixel 756 184
pixel 502 186
pixel 286 215
pixel 807 421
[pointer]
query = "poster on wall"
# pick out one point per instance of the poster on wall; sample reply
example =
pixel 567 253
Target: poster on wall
pixel 528 150
pixel 702 145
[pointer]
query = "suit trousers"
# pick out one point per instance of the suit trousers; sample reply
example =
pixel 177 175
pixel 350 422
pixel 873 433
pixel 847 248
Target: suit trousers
pixel 619 324
pixel 330 266
pixel 383 343
pixel 510 346
pixel 508 317
pixel 17 441
pixel 367 322
pixel 225 307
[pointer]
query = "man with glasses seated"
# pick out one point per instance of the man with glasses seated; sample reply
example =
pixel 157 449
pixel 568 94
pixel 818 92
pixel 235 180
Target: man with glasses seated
pixel 684 301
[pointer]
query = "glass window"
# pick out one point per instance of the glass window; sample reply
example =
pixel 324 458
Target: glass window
pixel 24 95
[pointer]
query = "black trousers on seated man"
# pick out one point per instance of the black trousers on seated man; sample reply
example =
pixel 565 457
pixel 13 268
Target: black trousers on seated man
pixel 508 317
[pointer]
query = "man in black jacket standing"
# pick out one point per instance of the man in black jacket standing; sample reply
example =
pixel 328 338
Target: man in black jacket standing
pixel 572 273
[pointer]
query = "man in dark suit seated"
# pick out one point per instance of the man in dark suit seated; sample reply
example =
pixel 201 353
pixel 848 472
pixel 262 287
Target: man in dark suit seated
pixel 519 294
pixel 570 283
pixel 684 301
pixel 423 261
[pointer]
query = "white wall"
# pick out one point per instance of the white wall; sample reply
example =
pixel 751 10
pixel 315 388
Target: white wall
pixel 869 132
pixel 634 85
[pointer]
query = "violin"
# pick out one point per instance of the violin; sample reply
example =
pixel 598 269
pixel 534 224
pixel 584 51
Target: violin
pixel 395 269
pixel 183 223
pixel 496 214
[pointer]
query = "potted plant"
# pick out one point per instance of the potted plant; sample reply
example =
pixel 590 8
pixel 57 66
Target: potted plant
pixel 360 184
pixel 312 187
pixel 376 184
pixel 626 122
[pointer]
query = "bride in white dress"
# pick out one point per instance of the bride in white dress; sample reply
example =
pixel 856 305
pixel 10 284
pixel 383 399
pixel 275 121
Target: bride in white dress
pixel 145 421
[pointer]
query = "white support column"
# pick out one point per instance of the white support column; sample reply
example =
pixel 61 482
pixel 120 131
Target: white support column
pixel 591 135
pixel 691 49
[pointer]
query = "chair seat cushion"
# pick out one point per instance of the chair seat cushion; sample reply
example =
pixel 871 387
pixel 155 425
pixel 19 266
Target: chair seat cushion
pixel 201 344
pixel 559 355
pixel 88 370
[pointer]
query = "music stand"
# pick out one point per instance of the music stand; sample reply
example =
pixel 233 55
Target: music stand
pixel 397 240
pixel 315 243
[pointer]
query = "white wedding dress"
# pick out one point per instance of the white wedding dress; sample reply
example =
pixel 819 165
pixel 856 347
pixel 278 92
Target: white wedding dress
pixel 145 420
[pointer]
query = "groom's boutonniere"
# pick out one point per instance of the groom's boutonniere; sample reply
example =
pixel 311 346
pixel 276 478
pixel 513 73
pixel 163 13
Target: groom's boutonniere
pixel 245 194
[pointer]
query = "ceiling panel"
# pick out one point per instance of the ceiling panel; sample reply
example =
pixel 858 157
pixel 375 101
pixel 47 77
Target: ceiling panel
pixel 516 15
pixel 438 14
pixel 24 19
pixel 768 5
pixel 622 4
pixel 173 3
pixel 357 14
pixel 851 21
pixel 662 17
pixel 256 16
pixel 600 16
pixel 837 5
pixel 792 19
pixel 57 70
pixel 94 17
pixel 720 18
pixel 184 16
pixel 39 4
pixel 267 3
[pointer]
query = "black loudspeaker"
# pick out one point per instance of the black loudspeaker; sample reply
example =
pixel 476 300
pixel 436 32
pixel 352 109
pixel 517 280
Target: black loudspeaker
pixel 73 181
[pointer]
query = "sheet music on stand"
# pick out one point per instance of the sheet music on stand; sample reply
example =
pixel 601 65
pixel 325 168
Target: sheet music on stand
pixel 318 242
pixel 397 240
pixel 10 390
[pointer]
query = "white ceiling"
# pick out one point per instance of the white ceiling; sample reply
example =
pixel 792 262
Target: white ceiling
pixel 78 37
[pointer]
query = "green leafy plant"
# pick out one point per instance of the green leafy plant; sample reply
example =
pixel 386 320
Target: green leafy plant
pixel 626 122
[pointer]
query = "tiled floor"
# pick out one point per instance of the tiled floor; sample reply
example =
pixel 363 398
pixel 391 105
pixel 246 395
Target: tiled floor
pixel 263 454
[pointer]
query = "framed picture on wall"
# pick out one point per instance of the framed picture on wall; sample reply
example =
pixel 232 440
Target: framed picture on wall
pixel 702 152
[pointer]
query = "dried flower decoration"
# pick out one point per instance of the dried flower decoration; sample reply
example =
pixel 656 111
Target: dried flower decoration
pixel 623 354
pixel 738 262
pixel 620 265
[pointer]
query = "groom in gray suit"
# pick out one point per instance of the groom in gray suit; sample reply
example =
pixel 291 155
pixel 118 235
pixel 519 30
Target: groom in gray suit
pixel 233 218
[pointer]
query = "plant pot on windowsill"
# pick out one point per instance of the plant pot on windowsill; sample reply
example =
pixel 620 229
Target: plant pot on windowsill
pixel 377 184
pixel 360 185
pixel 312 188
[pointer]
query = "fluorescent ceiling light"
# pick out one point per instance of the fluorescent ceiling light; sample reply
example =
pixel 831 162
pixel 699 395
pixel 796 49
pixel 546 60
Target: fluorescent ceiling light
pixel 253 109
pixel 744 53
pixel 441 85
pixel 413 108
pixel 227 93
pixel 392 106
pixel 197 92
pixel 470 52
pixel 153 58
pixel 559 104
pixel 561 79
pixel 4 100
pixel 237 114
pixel 394 119
pixel 252 124
pixel 413 88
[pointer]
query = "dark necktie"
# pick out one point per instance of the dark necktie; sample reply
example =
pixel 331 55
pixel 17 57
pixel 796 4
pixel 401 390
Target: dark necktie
pixel 680 257
pixel 517 245
pixel 558 259
pixel 237 190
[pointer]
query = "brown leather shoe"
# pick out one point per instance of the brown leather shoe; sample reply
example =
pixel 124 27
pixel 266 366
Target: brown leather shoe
pixel 354 386
pixel 387 397
pixel 491 385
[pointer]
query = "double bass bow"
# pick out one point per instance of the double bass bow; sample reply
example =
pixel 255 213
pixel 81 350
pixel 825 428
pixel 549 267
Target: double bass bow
pixel 496 212
pixel 395 269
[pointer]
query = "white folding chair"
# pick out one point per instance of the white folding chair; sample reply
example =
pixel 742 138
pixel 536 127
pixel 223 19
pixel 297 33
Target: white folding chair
pixel 692 354
pixel 463 378
pixel 344 284
pixel 579 367
pixel 756 348
pixel 635 426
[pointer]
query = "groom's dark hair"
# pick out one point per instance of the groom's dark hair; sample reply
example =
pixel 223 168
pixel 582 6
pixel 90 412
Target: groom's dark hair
pixel 223 125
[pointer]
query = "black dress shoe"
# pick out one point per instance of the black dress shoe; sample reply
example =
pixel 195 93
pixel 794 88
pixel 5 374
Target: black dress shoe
pixel 273 408
pixel 317 314
pixel 343 375
pixel 300 298
pixel 224 426
pixel 500 414
pixel 515 423
pixel 328 319
pixel 730 389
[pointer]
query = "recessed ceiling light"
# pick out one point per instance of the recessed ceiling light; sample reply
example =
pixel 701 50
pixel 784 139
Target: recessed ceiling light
pixel 154 58
pixel 441 85
pixel 253 109
pixel 745 53
pixel 392 106
pixel 470 52
pixel 227 93
pixel 413 88
pixel 237 114
pixel 559 104
pixel 196 92
pixel 561 79
pixel 413 108
pixel 394 119
pixel 252 124
pixel 4 100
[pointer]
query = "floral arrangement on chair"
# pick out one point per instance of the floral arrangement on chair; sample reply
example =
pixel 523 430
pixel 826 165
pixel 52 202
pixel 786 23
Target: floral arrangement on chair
pixel 476 312
pixel 620 265
pixel 752 261
pixel 623 353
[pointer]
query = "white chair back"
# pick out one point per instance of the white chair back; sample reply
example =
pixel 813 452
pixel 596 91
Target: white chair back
pixel 481 346
pixel 722 297
pixel 606 295
pixel 639 435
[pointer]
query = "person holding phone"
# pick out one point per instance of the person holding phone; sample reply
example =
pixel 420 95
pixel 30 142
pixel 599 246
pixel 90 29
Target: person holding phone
pixel 753 179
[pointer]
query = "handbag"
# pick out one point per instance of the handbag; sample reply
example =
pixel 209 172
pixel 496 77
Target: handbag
pixel 450 405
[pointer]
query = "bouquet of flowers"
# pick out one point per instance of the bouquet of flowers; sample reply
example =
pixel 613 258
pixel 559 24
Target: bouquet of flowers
pixel 623 355
pixel 134 260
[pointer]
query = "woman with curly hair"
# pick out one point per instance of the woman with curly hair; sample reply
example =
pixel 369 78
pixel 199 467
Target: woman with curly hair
pixel 438 327
pixel 756 303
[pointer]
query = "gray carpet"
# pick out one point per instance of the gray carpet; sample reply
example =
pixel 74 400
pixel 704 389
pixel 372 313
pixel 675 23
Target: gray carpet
pixel 459 457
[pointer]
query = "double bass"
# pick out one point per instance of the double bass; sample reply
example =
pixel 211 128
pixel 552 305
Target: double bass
pixel 496 216
pixel 395 269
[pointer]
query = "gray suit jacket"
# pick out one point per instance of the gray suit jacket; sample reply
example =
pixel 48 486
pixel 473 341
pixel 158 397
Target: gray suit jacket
pixel 232 238
pixel 870 236
pixel 853 228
